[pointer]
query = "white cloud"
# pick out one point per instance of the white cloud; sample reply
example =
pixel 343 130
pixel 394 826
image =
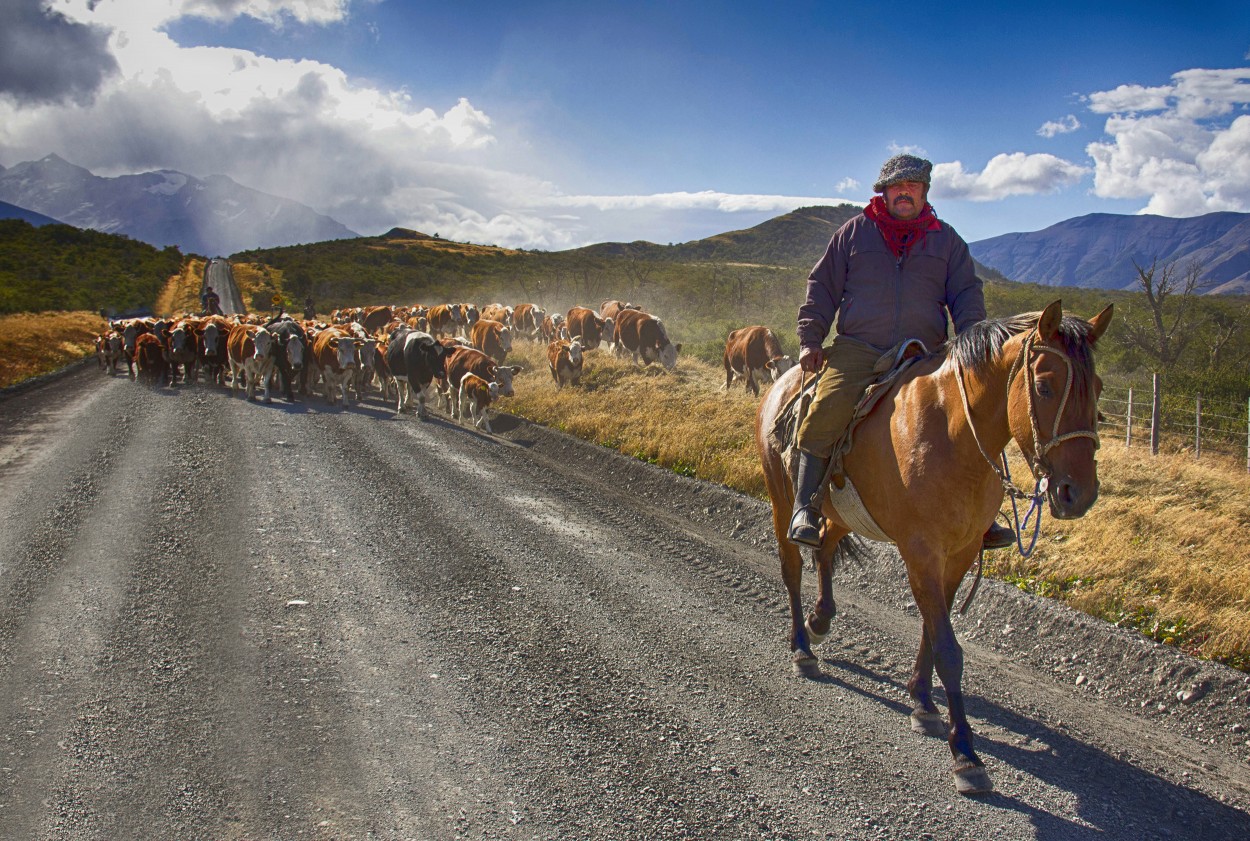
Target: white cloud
pixel 1175 145
pixel 848 185
pixel 47 57
pixel 1067 125
pixel 1006 175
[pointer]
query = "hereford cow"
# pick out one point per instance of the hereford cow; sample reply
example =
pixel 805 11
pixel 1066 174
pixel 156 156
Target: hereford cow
pixel 752 352
pixel 527 320
pixel 498 312
pixel 214 333
pixel 444 319
pixel 554 328
pixel 131 330
pixel 609 309
pixel 468 317
pixel 643 335
pixel 336 354
pixel 374 319
pixel 109 350
pixel 250 348
pixel 149 359
pixel 415 360
pixel 492 338
pixel 476 395
pixel 586 325
pixel 465 360
pixel 565 360
pixel 184 351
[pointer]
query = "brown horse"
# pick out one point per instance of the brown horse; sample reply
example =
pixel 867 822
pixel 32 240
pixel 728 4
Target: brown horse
pixel 923 464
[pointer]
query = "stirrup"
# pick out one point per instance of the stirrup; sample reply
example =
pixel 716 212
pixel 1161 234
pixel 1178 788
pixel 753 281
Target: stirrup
pixel 805 527
pixel 998 537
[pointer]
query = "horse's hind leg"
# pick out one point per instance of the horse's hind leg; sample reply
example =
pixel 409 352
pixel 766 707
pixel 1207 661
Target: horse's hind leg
pixel 934 597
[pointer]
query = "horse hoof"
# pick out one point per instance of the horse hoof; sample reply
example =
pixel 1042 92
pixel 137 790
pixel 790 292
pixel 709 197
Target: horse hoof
pixel 812 636
pixel 972 779
pixel 805 665
pixel 928 724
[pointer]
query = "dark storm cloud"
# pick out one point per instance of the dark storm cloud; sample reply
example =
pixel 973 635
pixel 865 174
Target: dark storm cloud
pixel 45 57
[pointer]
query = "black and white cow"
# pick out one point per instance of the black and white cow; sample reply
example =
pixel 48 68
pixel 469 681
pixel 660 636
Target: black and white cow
pixel 415 359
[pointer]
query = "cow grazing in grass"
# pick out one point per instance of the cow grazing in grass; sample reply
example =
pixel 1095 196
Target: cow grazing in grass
pixel 527 320
pixel 586 326
pixel 565 360
pixel 644 337
pixel 752 352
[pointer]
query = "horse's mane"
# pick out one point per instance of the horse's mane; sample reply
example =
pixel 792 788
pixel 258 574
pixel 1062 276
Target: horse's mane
pixel 983 341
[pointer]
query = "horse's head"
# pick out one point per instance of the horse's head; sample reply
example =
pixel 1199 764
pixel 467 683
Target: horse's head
pixel 1053 407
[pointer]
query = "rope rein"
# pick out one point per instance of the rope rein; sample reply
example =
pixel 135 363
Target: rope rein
pixel 1038 464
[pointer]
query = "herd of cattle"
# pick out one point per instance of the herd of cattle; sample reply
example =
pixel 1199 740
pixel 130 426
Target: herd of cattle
pixel 455 350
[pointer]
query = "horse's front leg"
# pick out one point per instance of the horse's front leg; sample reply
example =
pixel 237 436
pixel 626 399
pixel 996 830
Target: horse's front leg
pixel 825 609
pixel 933 597
pixel 925 717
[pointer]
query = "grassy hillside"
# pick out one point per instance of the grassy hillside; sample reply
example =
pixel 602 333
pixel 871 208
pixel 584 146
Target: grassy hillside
pixel 60 267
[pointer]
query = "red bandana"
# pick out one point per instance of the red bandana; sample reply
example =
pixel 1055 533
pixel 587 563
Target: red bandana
pixel 900 234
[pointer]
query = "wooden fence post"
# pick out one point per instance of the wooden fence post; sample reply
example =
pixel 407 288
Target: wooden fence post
pixel 1128 427
pixel 1198 428
pixel 1155 411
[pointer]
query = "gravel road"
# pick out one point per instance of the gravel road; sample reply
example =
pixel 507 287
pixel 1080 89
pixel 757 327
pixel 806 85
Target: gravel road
pixel 227 620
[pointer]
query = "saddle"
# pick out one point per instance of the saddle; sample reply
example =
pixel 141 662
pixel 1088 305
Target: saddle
pixel 846 500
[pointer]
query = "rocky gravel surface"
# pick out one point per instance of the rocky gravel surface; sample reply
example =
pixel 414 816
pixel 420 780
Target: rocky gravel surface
pixel 221 619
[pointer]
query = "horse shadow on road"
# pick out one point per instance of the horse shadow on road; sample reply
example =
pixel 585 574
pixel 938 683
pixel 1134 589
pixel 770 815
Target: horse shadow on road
pixel 1114 799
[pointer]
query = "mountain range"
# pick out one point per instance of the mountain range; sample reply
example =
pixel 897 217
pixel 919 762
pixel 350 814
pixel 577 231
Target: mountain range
pixel 208 216
pixel 1102 251
pixel 215 215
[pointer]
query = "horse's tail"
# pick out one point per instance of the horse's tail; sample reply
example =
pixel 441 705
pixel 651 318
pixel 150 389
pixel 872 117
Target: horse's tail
pixel 853 549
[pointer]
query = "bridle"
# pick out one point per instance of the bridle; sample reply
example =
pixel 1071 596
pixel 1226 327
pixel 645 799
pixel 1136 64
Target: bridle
pixel 1038 463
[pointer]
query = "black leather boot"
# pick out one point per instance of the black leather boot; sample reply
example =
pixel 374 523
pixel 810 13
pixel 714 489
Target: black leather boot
pixel 808 485
pixel 998 537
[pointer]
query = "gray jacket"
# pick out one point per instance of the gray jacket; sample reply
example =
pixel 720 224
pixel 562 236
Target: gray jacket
pixel 881 300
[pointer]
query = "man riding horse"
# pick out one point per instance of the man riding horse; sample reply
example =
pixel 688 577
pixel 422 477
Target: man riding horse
pixel 891 274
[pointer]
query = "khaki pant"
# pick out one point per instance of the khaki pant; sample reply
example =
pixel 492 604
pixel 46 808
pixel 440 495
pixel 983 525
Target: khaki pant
pixel 847 373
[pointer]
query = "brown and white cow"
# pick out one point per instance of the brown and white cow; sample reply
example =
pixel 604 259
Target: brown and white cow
pixel 131 330
pixel 586 325
pixel 465 360
pixel 469 315
pixel 149 360
pixel 374 319
pixel 752 352
pixel 214 334
pixel 554 328
pixel 527 319
pixel 444 319
pixel 643 335
pixel 109 350
pixel 336 353
pixel 498 312
pixel 184 351
pixel 250 348
pixel 564 358
pixel 476 395
pixel 493 338
pixel 609 309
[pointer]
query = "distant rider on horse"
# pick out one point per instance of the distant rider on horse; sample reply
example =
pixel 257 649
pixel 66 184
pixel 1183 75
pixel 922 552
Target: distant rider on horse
pixel 211 302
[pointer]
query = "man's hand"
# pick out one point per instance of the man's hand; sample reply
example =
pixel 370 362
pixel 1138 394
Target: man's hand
pixel 811 358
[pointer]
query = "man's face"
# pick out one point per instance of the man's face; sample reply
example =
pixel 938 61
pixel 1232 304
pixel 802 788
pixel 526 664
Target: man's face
pixel 905 199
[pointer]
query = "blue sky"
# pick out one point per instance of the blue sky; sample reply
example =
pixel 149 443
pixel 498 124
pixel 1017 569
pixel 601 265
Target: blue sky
pixel 556 124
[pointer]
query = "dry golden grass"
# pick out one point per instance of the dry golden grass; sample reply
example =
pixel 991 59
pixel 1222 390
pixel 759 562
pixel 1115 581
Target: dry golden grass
pixel 37 343
pixel 1159 552
pixel 181 293
pixel 258 283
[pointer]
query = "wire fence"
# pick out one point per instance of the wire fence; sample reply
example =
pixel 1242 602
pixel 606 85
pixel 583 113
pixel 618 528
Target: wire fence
pixel 1143 418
